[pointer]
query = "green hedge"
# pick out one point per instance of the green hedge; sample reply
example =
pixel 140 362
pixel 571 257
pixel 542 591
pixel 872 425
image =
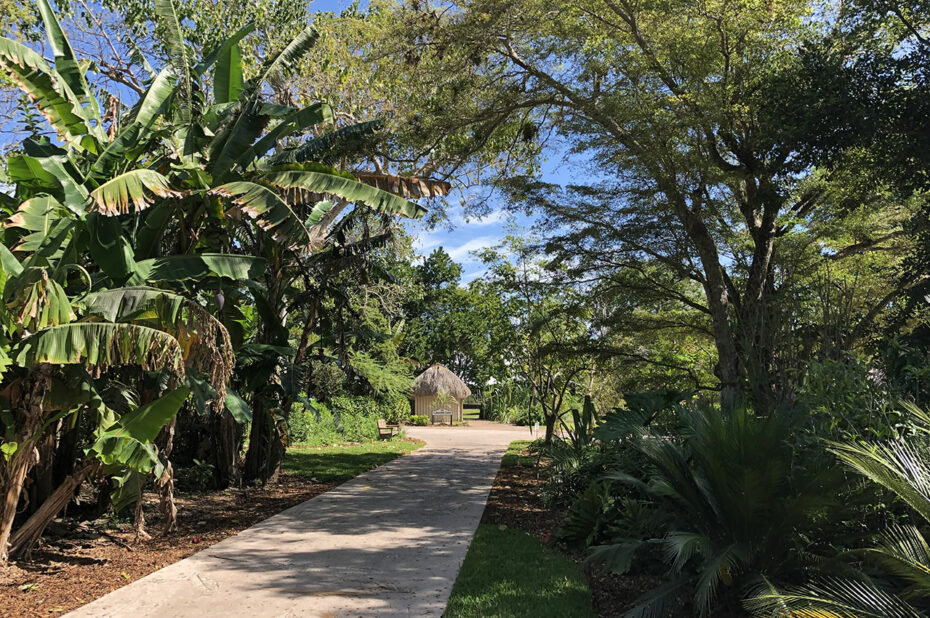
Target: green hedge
pixel 345 419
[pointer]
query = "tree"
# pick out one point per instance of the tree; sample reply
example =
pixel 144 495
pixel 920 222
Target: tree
pixel 664 100
pixel 554 346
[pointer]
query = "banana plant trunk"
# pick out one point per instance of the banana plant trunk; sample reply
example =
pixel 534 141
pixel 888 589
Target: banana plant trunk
pixel 31 531
pixel 225 442
pixel 28 417
pixel 267 436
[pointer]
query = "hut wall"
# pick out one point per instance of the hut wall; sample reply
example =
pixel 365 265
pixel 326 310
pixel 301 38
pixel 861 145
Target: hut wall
pixel 427 405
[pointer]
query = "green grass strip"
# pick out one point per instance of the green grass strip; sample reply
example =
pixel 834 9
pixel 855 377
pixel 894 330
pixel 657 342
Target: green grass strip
pixel 341 463
pixel 517 455
pixel 508 573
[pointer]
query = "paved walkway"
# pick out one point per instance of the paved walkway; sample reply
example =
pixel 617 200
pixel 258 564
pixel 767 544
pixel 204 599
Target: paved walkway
pixel 387 543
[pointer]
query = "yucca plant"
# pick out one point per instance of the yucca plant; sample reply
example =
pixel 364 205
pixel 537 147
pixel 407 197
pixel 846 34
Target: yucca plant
pixel 894 580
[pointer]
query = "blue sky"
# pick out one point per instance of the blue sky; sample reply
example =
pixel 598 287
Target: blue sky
pixel 464 234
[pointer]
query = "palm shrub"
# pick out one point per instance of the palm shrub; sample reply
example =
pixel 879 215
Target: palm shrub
pixel 893 578
pixel 724 496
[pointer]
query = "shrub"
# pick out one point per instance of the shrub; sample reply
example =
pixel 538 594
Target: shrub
pixel 419 420
pixel 356 418
pixel 727 495
pixel 394 408
pixel 197 477
pixel 312 424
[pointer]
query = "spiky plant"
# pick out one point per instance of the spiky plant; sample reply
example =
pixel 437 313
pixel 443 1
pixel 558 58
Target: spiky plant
pixel 899 563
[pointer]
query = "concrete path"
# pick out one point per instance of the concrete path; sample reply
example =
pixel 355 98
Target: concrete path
pixel 388 543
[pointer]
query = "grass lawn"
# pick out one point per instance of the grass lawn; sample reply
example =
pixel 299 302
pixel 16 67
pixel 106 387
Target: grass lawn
pixel 341 463
pixel 509 574
pixel 517 455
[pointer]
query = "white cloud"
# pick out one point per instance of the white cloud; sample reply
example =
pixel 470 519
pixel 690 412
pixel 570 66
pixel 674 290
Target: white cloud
pixel 461 253
pixel 491 218
pixel 468 277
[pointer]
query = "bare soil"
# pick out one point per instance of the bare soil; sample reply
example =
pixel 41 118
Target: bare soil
pixel 78 562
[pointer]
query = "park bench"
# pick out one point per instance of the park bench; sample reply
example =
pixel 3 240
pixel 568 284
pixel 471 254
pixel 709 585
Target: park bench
pixel 385 430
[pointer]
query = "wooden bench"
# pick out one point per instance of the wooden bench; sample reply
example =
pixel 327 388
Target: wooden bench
pixel 385 430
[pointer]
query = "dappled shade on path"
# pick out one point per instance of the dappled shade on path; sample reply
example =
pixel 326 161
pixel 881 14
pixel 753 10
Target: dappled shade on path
pixel 387 543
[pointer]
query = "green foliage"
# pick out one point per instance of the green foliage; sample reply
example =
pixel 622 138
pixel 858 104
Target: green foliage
pixel 197 477
pixel 901 552
pixel 419 420
pixel 509 574
pixel 518 454
pixel 334 464
pixel 848 401
pixel 347 419
pixel 727 495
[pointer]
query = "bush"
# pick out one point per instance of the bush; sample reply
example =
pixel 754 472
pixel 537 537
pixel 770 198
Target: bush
pixel 419 420
pixel 197 477
pixel 393 408
pixel 356 418
pixel 313 425
pixel 728 496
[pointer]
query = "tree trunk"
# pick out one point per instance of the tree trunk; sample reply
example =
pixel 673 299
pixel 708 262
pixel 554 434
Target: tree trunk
pixel 42 474
pixel 31 531
pixel 550 426
pixel 66 456
pixel 14 476
pixel 225 445
pixel 267 437
pixel 165 483
pixel 28 417
pixel 266 444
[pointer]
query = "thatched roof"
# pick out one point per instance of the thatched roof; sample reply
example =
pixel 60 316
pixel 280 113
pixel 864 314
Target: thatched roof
pixel 438 378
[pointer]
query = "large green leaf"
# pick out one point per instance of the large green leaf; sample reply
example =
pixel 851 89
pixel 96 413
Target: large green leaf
pixel 99 346
pixel 128 441
pixel 211 58
pixel 47 91
pixel 269 210
pixel 238 407
pixel 155 100
pixel 48 174
pixel 109 246
pixel 287 57
pixel 9 263
pixel 150 232
pixel 294 122
pixel 136 187
pixel 346 188
pixel 36 216
pixel 227 77
pixel 177 50
pixel 237 137
pixel 184 267
pixel 144 423
pixel 135 131
pixel 71 73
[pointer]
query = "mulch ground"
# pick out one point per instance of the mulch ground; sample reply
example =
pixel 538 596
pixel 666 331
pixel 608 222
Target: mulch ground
pixel 515 501
pixel 79 562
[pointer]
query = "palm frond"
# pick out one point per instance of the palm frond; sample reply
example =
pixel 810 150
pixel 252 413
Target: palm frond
pixel 826 598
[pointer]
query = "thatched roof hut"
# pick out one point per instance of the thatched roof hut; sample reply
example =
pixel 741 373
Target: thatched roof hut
pixel 437 389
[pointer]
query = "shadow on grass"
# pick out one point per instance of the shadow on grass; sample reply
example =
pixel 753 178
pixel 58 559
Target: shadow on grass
pixel 508 574
pixel 341 463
